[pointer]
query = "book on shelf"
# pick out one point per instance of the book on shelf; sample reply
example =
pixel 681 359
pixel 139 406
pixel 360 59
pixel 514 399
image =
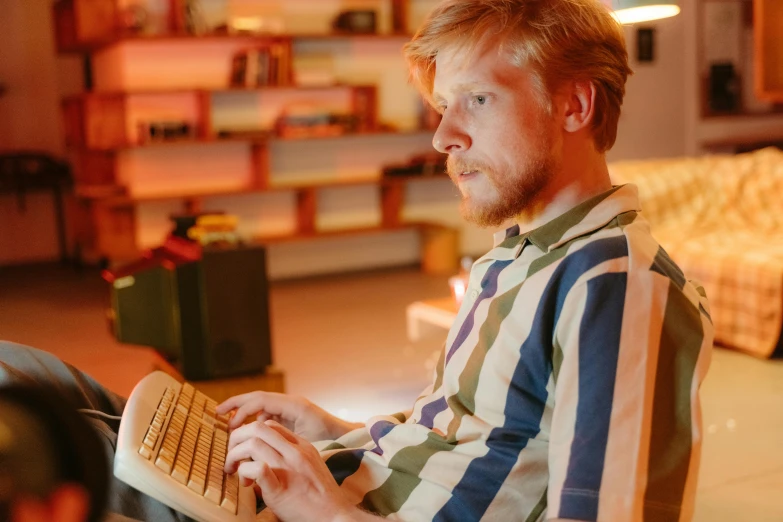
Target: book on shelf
pixel 268 65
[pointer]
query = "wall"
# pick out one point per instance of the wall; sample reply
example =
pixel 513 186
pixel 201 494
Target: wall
pixel 29 120
pixel 651 123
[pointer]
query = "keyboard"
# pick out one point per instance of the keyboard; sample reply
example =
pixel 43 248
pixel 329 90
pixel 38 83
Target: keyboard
pixel 172 446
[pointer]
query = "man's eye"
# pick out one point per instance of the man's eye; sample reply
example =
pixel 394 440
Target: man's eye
pixel 480 100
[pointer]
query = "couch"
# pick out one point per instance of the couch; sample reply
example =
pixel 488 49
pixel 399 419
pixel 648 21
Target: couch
pixel 721 219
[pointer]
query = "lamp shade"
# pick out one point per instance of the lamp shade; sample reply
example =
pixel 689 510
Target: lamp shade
pixel 633 11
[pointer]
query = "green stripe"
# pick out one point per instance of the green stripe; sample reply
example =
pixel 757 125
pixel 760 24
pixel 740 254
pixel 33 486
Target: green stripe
pixel 404 478
pixel 400 416
pixel 546 260
pixel 464 401
pixel 671 431
pixel 332 446
pixel 439 368
pixel 549 234
pixel 408 462
pixel 560 252
pixel 557 359
pixel 512 242
pixel 539 509
pixel 625 219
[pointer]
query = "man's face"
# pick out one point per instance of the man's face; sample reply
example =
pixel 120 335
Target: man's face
pixel 498 134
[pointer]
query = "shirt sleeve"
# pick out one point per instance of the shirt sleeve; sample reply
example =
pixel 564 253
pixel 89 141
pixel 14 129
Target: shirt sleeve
pixel 630 351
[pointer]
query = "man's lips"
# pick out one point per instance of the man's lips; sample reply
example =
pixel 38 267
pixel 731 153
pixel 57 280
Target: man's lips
pixel 468 174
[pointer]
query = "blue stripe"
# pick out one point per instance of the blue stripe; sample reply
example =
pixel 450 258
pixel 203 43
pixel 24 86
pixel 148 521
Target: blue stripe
pixel 379 430
pixel 344 464
pixel 489 287
pixel 512 231
pixel 527 393
pixel 429 411
pixel 599 347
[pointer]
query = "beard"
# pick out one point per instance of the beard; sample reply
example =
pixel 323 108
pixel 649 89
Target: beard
pixel 516 190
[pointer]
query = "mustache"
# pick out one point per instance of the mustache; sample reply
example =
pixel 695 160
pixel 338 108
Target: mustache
pixel 455 166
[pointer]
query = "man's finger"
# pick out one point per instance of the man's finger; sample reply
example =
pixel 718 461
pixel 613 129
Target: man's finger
pixel 287 443
pixel 276 404
pixel 253 448
pixel 233 402
pixel 261 473
pixel 285 432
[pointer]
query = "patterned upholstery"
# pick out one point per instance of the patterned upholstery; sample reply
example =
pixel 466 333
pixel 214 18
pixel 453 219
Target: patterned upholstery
pixel 721 219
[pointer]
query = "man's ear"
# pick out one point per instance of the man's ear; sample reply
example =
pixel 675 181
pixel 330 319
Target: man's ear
pixel 579 105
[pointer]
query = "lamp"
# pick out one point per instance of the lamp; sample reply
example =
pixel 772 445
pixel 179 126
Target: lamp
pixel 633 11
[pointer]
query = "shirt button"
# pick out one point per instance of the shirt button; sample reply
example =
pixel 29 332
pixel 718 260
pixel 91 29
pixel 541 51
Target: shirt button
pixel 474 295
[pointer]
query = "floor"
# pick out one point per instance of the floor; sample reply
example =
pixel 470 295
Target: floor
pixel 341 342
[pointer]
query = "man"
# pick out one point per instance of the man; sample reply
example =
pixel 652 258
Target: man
pixel 568 386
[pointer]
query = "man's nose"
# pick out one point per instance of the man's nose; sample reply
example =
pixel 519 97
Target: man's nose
pixel 450 136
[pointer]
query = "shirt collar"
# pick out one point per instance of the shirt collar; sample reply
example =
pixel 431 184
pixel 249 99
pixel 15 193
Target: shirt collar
pixel 587 217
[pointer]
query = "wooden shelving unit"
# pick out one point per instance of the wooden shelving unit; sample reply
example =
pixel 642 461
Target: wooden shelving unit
pixel 84 26
pixel 760 93
pixel 99 129
pixel 768 16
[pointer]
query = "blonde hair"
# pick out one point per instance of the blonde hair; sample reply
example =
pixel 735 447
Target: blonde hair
pixel 559 40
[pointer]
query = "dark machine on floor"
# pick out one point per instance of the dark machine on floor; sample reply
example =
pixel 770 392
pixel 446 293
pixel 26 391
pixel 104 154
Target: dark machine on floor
pixel 201 300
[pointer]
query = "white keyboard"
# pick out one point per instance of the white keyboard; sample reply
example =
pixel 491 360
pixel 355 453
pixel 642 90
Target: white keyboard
pixel 172 446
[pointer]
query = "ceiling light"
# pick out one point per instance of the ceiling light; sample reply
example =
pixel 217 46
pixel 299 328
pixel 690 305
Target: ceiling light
pixel 634 11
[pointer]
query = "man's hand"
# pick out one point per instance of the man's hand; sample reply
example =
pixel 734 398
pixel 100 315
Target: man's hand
pixel 295 413
pixel 293 478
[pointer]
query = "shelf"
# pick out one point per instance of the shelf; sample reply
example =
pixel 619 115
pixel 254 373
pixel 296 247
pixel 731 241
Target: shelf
pixel 99 121
pixel 742 142
pixel 776 112
pixel 226 90
pixel 106 198
pixel 326 234
pixel 259 138
pixel 88 47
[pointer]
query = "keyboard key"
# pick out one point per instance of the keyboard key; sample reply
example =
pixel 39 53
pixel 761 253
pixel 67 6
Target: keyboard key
pixel 164 464
pixel 180 474
pixel 213 492
pixel 230 494
pixel 196 485
pixel 145 451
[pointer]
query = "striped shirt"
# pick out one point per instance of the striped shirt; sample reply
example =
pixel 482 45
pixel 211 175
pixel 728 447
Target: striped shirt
pixel 568 386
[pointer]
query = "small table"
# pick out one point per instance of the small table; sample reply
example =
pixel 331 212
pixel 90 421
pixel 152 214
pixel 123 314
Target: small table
pixel 438 312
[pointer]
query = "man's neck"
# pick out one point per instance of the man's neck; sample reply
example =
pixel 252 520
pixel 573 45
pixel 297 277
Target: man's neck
pixel 574 183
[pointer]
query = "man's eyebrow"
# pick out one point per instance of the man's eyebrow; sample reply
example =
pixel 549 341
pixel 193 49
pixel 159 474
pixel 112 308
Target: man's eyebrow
pixel 461 88
pixel 468 86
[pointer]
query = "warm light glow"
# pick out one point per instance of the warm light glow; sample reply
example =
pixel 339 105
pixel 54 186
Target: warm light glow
pixel 458 288
pixel 645 13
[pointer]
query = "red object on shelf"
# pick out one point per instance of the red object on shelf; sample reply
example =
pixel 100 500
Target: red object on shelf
pixel 175 251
